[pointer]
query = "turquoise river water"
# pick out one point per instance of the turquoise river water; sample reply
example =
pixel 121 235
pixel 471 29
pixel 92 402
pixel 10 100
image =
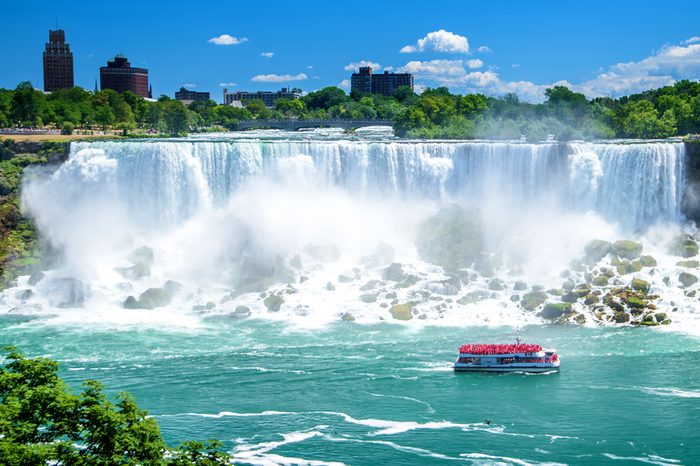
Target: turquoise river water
pixel 386 394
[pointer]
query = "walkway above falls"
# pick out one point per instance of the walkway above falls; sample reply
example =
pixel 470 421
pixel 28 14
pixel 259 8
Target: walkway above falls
pixel 293 125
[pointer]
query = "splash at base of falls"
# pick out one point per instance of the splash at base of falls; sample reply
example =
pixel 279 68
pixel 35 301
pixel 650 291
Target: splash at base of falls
pixel 184 233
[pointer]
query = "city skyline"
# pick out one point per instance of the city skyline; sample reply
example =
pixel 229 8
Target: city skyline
pixel 468 48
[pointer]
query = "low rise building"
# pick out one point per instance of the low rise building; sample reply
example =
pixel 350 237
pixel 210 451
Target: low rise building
pixel 187 96
pixel 268 97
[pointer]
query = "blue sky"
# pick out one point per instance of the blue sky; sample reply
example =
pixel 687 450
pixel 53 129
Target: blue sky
pixel 596 47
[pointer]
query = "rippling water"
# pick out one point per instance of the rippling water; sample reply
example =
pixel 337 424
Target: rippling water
pixel 385 394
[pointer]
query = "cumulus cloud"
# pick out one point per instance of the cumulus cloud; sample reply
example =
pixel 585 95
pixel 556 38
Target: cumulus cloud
pixel 278 78
pixel 355 65
pixel 439 41
pixel 225 39
pixel 267 54
pixel 483 49
pixel 692 40
pixel 344 84
pixel 189 85
pixel 662 68
pixel 227 84
pixel 475 63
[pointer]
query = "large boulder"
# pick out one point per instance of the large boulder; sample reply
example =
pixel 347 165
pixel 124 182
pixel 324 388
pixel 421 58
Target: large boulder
pixel 687 279
pixel 402 311
pixel 627 249
pixel 533 300
pixel 648 261
pixel 394 273
pixel 273 302
pixel 65 292
pixel 452 238
pixel 600 280
pixel 690 264
pixel 685 246
pixel 153 298
pixel 597 249
pixel 553 311
pixel 640 285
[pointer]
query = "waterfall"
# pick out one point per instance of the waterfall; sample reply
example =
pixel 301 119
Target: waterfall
pixel 165 182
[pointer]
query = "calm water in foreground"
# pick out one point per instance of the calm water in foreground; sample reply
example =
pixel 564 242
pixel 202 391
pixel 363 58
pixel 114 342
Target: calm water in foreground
pixel 386 394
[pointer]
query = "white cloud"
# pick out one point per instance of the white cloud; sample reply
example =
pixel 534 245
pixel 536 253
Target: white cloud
pixel 344 84
pixel 268 54
pixel 310 67
pixel 475 63
pixel 227 84
pixel 225 39
pixel 419 88
pixel 483 49
pixel 515 65
pixel 692 40
pixel 355 65
pixel 439 41
pixel 662 68
pixel 278 78
pixel 189 85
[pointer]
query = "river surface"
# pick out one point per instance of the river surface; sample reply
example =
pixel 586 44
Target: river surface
pixel 276 336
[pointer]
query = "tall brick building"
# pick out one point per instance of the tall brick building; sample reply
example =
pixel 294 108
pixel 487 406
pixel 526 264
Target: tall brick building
pixel 384 83
pixel 58 62
pixel 118 75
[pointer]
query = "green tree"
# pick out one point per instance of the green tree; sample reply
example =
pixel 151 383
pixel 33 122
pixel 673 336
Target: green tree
pixel 42 422
pixel 258 109
pixel 641 121
pixel 290 107
pixel 325 98
pixel 26 103
pixel 175 116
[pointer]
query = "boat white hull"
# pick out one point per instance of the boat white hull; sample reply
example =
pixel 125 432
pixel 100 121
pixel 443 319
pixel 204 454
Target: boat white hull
pixel 466 368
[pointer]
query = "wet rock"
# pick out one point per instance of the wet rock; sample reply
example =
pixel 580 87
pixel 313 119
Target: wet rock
pixel 520 286
pixel 691 264
pixel 667 281
pixel 35 277
pixel 591 299
pixel 274 302
pixel 155 297
pixel 515 298
pixel 615 261
pixel 621 317
pixel 241 311
pixel 596 250
pixel 600 280
pixel 393 273
pixel 303 279
pixel 345 278
pixel 330 286
pixel 473 297
pixel 323 252
pixel 496 285
pixel 65 292
pixel 641 285
pixel 648 261
pixel 553 311
pixel 401 311
pixel 410 280
pixel 347 317
pixel 24 295
pixel 570 297
pixel 568 285
pixel 685 246
pixel 687 279
pixel 627 249
pixel 580 319
pixel 131 303
pixel 533 300
pixel 635 266
pixel 451 238
pixel 135 272
pixel 555 292
pixel 370 285
pixel 368 298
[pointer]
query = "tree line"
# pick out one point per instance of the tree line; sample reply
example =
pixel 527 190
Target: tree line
pixel 434 113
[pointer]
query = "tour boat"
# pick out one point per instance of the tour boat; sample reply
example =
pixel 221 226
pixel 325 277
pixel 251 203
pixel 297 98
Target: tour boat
pixel 518 357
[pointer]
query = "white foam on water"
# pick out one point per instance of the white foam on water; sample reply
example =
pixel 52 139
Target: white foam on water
pixel 259 453
pixel 651 459
pixel 493 459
